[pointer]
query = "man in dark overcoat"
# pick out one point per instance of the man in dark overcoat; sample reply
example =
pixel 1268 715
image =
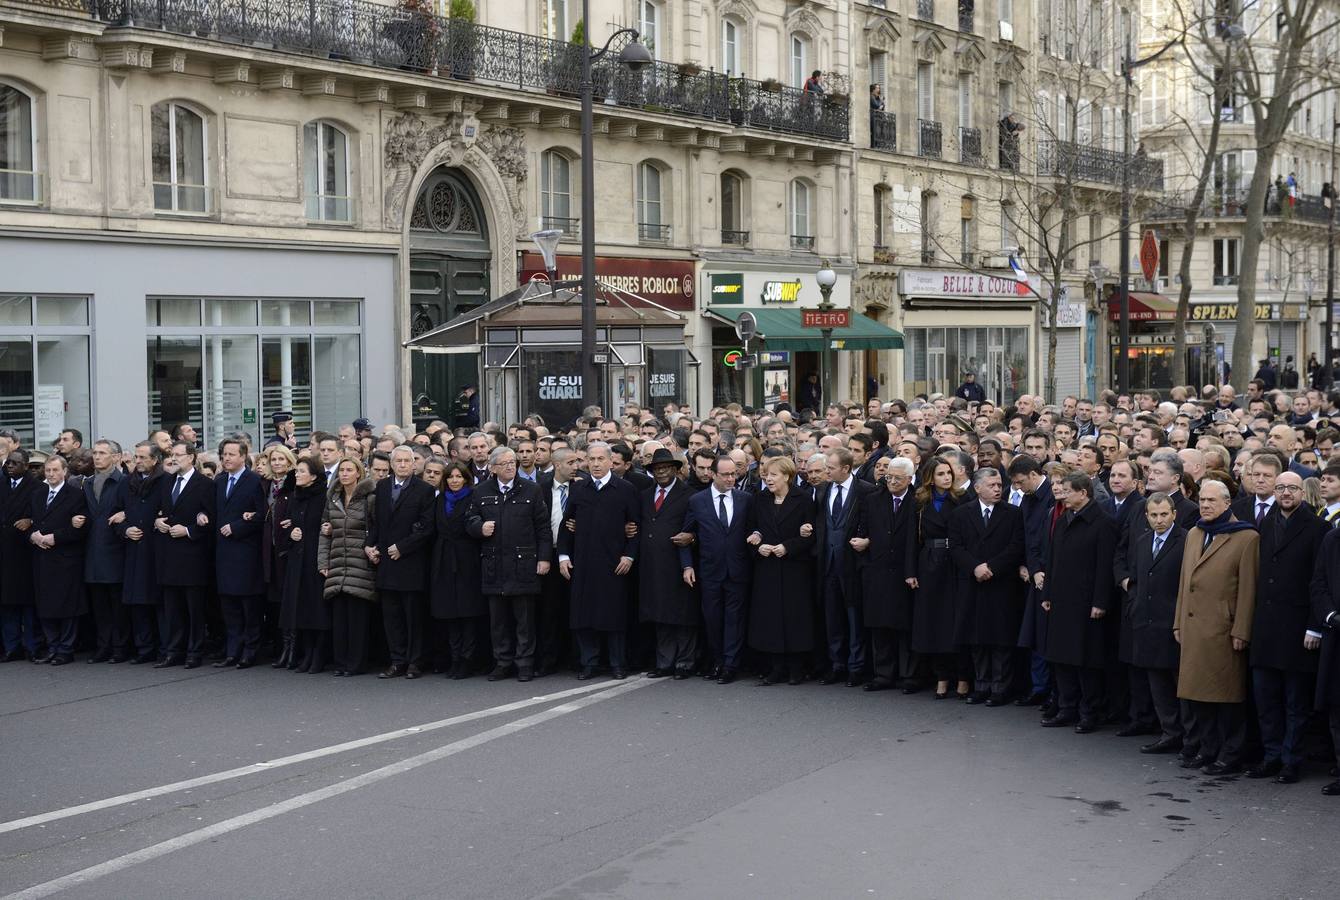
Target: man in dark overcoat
pixel 183 533
pixel 886 519
pixel 839 583
pixel 239 497
pixel 986 544
pixel 553 641
pixel 665 597
pixel 400 544
pixel 1325 593
pixel 1077 593
pixel 1283 669
pixel 18 614
pixel 510 518
pixel 134 522
pixel 59 513
pixel 596 555
pixel 1036 507
pixel 1154 567
pixel 104 555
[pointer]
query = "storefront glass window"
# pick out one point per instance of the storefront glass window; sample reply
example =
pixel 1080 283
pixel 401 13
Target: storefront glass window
pixel 936 358
pixel 668 377
pixel 286 380
pixel 176 382
pixel 552 384
pixel 232 384
pixel 44 370
pixel 336 367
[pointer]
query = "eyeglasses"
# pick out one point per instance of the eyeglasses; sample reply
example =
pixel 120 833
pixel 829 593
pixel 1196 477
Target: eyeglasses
pixel 1288 489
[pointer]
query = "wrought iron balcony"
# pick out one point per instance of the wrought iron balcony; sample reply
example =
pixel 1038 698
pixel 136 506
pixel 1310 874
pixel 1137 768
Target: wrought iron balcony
pixel 1232 204
pixel 1009 150
pixel 883 130
pixel 390 37
pixel 802 242
pixel 653 233
pixel 569 227
pixel 734 237
pixel 970 146
pixel 928 145
pixel 1081 162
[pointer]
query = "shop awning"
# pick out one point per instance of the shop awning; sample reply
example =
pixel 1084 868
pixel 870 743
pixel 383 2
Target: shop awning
pixel 1145 306
pixel 780 329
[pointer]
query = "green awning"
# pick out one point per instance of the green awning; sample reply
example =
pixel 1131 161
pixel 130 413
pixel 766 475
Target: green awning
pixel 780 329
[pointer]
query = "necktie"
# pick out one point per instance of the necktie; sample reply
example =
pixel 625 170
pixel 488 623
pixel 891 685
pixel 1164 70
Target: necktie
pixel 563 497
pixel 232 482
pixel 1016 497
pixel 721 511
pixel 503 489
pixel 1261 507
pixel 51 495
pixel 986 516
pixel 835 511
pixel 660 498
pixel 395 491
pixel 176 488
pixel 897 504
pixel 1158 544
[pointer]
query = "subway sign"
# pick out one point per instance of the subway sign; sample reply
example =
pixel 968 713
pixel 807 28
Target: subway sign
pixel 727 289
pixel 781 291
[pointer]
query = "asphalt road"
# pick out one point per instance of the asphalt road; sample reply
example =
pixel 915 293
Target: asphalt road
pixel 129 782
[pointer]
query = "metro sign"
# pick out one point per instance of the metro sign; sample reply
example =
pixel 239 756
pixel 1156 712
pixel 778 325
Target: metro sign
pixel 818 318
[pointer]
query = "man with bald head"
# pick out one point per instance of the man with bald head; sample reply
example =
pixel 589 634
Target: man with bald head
pixel 1193 463
pixel 1283 657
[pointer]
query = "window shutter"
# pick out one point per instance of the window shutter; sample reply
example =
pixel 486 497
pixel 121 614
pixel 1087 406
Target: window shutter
pixel 964 100
pixel 925 91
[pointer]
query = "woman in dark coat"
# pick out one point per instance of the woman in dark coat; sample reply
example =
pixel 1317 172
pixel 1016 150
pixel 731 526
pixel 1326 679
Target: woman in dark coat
pixel 930 572
pixel 351 585
pixel 303 609
pixel 278 490
pixel 781 531
pixel 455 596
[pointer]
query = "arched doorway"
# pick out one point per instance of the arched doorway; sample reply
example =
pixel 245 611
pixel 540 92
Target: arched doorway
pixel 448 275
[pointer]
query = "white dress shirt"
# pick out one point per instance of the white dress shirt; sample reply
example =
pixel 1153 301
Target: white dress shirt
pixel 730 504
pixel 846 493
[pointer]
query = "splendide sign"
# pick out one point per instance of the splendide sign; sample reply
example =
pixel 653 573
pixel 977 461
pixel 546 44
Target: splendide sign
pixel 917 283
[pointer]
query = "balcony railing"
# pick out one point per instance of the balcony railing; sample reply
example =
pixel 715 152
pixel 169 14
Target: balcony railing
pixel 391 37
pixel 653 233
pixel 970 146
pixel 734 237
pixel 929 139
pixel 1009 150
pixel 883 130
pixel 1232 204
pixel 569 227
pixel 802 242
pixel 1078 162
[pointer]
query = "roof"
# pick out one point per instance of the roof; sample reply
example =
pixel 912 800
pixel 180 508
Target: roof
pixel 780 329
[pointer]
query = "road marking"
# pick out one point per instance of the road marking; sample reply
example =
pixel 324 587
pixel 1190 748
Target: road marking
pixel 268 765
pixel 92 873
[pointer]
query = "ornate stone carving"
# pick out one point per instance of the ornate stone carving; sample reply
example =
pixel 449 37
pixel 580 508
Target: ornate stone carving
pixel 409 138
pixel 505 146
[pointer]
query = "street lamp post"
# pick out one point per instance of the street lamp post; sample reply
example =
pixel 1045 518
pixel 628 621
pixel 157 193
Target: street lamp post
pixel 635 56
pixel 1328 354
pixel 826 278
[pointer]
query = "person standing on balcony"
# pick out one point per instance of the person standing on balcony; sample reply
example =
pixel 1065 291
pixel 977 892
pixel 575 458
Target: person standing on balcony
pixel 814 84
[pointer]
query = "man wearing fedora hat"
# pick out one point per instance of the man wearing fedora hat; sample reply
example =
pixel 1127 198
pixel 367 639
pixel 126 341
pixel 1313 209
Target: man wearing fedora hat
pixel 665 598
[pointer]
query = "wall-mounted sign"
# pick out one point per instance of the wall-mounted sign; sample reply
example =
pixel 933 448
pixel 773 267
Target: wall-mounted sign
pixel 730 358
pixel 560 387
pixel 774 358
pixel 665 282
pixel 781 291
pixel 1227 312
pixel 833 318
pixel 727 289
pixel 965 285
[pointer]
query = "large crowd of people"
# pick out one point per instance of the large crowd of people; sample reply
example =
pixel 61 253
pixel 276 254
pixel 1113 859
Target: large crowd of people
pixel 1159 566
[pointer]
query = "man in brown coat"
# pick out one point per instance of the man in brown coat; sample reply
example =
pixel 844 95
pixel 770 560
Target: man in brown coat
pixel 1216 599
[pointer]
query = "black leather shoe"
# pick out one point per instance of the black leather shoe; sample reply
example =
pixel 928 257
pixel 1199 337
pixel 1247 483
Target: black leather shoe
pixel 500 672
pixel 193 663
pixel 682 674
pixel 996 700
pixel 833 676
pixel 796 678
pixel 1135 729
pixel 713 673
pixel 877 684
pixel 1086 726
pixel 1267 769
pixel 1217 769
pixel 117 658
pixel 1031 700
pixel 1059 721
pixel 392 671
pixel 1287 775
pixel 227 662
pixel 13 655
pixel 43 658
pixel 62 660
pixel 524 674
pixel 976 698
pixel 100 657
pixel 856 679
pixel 587 673
pixel 657 673
pixel 1194 762
pixel 1332 789
pixel 168 662
pixel 619 673
pixel 1163 745
pixel 412 671
pixel 142 659
pixel 246 662
pixel 911 687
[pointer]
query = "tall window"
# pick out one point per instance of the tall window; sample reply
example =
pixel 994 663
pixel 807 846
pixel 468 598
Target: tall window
pixel 964 100
pixel 44 366
pixel 800 210
pixel 649 24
pixel 555 20
pixel 927 227
pixel 1226 254
pixel 18 178
pixel 881 216
pixel 732 209
pixel 800 59
pixel 1009 233
pixel 967 232
pixel 179 160
pixel 926 91
pixel 651 226
pixel 326 172
pixel 878 69
pixel 730 47
pixel 556 192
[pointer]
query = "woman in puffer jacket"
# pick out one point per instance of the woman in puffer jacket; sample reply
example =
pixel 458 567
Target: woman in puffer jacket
pixel 350 580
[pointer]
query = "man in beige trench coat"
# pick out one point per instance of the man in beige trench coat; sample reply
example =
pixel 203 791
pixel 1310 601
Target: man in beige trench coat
pixel 1215 601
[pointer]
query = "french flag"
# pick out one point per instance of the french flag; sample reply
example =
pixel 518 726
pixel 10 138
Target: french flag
pixel 1020 275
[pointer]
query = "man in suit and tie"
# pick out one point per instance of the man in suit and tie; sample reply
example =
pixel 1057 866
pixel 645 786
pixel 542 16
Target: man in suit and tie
pixel 1154 566
pixel 399 543
pixel 1330 495
pixel 328 448
pixel 597 557
pixel 552 638
pixel 104 555
pixel 886 525
pixel 666 597
pixel 184 530
pixel 57 534
pixel 478 447
pixel 240 500
pixel 838 579
pixel 716 520
pixel 1123 484
pixel 1256 503
pixel 1036 505
pixel 18 617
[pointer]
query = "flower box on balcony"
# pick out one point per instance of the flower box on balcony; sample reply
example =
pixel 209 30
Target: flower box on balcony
pixel 688 69
pixel 771 85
